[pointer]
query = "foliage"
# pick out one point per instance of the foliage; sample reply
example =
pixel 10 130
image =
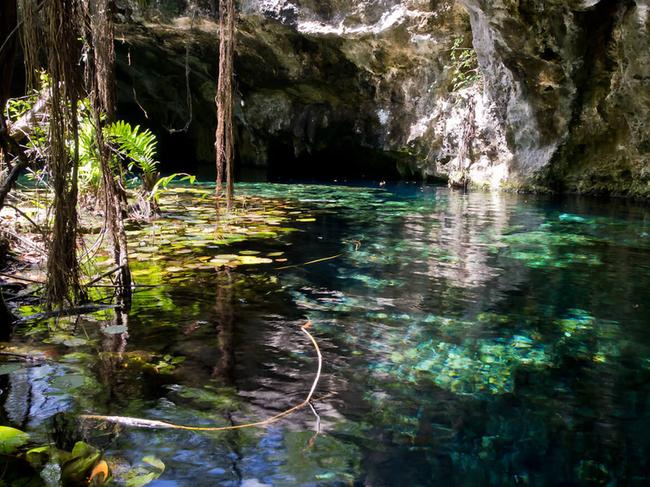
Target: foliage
pixel 36 142
pixel 150 469
pixel 11 439
pixel 79 466
pixel 132 145
pixel 464 65
pixel 90 173
pixel 138 148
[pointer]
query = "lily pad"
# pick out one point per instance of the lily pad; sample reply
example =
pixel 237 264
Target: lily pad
pixel 6 369
pixel 253 260
pixel 114 330
pixel 11 439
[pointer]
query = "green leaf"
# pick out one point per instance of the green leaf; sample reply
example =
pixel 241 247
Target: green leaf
pixel 68 381
pixel 144 474
pixel 115 329
pixel 140 480
pixel 11 439
pixel 83 457
pixel 154 462
pixel 38 456
pixel 6 369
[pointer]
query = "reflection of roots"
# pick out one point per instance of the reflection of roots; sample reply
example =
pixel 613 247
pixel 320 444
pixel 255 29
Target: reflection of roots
pixel 148 423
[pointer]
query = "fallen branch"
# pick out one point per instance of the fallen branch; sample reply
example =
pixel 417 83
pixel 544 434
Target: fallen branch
pixel 24 125
pixel 18 278
pixel 9 145
pixel 25 241
pixel 27 217
pixel 24 356
pixel 151 423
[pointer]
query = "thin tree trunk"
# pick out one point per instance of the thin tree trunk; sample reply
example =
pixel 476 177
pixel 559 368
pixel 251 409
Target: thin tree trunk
pixel 8 37
pixel 30 38
pixel 224 133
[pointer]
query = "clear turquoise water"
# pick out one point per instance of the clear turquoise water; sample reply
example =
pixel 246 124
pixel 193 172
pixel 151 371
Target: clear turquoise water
pixel 469 339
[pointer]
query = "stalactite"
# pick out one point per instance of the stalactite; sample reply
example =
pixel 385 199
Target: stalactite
pixel 224 133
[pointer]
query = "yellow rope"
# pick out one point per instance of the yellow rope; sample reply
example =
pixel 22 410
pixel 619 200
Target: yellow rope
pixel 356 243
pixel 149 423
pixel 310 262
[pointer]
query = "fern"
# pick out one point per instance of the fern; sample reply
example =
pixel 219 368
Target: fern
pixel 162 183
pixel 89 169
pixel 135 145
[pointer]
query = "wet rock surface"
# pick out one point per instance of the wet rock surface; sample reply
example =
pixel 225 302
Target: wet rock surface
pixel 324 88
pixel 570 80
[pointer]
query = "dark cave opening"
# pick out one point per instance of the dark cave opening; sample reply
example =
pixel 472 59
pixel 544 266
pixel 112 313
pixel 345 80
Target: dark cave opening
pixel 341 155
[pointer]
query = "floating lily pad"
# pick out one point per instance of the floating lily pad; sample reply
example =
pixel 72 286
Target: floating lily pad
pixel 11 439
pixel 254 260
pixel 115 329
pixel 6 369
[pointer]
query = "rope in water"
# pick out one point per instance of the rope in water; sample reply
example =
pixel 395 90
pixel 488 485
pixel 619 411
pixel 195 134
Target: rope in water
pixel 308 263
pixel 150 423
pixel 356 243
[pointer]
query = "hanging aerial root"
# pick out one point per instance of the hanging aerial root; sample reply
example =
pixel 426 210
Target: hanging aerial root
pixel 154 424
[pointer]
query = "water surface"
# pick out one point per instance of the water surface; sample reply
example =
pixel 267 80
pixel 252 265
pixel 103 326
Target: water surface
pixel 469 339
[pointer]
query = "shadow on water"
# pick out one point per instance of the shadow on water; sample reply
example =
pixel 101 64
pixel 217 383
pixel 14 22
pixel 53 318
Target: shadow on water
pixel 470 339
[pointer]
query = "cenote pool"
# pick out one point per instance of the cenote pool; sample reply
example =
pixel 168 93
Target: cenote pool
pixel 468 339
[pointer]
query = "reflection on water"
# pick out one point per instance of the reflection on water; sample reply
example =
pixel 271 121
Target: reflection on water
pixel 470 339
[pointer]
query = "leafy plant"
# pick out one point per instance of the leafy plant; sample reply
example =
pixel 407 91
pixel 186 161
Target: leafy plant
pixel 164 182
pixel 11 439
pixel 138 148
pixel 90 173
pixel 464 65
pixel 132 145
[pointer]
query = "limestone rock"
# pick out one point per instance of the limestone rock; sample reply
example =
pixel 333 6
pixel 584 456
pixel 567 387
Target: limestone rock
pixel 570 80
pixel 561 98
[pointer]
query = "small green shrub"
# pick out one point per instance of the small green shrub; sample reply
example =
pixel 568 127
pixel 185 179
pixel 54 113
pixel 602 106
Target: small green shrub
pixel 464 65
pixel 131 147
